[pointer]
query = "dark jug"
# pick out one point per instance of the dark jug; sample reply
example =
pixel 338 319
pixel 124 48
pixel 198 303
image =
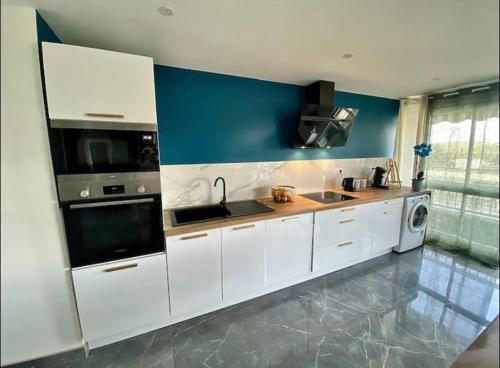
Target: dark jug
pixel 348 184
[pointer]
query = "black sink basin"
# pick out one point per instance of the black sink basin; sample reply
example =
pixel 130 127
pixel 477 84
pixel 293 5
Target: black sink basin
pixel 191 215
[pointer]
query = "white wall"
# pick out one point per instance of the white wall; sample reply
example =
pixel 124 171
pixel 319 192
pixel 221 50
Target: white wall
pixel 38 315
pixel 408 140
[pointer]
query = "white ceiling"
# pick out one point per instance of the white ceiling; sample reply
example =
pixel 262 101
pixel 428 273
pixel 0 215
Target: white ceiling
pixel 399 46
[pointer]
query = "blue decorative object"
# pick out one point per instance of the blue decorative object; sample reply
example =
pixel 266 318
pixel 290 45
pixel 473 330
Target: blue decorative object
pixel 421 151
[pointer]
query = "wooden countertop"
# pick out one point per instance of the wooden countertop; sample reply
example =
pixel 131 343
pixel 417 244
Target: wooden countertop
pixel 299 206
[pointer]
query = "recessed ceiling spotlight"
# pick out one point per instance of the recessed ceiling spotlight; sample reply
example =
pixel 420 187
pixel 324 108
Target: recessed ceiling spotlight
pixel 165 10
pixel 347 55
pixel 436 79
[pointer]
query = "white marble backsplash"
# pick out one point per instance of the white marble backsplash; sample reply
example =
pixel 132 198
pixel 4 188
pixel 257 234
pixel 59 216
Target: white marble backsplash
pixel 190 185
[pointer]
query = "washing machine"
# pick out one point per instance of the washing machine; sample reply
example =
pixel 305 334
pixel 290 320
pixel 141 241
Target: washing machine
pixel 415 217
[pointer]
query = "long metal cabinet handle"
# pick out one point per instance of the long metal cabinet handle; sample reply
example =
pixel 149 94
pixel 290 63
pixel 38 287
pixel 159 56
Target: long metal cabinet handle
pixel 290 219
pixel 123 267
pixel 345 244
pixel 114 203
pixel 348 209
pixel 194 236
pixel 347 221
pixel 104 115
pixel 243 227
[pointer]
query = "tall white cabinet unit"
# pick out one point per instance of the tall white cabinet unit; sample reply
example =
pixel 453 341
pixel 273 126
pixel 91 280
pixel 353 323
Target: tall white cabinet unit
pixel 98 86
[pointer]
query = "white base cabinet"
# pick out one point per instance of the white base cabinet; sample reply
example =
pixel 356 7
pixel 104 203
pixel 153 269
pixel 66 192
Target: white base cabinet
pixel 194 271
pixel 121 296
pixel 243 259
pixel 385 221
pixel 288 248
pixel 340 237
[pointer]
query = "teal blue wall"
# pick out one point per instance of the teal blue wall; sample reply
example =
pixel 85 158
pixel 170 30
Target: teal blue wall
pixel 207 118
pixel 45 33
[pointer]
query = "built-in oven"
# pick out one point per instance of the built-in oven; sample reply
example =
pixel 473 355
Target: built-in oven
pixel 109 217
pixel 93 151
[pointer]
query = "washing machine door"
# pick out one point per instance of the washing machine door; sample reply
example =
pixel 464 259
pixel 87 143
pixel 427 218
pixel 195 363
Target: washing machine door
pixel 418 217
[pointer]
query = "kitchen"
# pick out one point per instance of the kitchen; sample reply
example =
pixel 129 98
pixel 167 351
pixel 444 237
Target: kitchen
pixel 193 216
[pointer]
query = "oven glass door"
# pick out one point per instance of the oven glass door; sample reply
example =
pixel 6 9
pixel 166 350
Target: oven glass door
pixel 87 151
pixel 110 230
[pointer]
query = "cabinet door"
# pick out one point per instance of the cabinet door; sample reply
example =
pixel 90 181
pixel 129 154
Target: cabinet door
pixel 342 253
pixel 243 259
pixel 121 296
pixel 385 219
pixel 194 271
pixel 288 248
pixel 82 82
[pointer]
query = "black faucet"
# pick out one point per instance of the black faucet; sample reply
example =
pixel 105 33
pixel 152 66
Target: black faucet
pixel 223 202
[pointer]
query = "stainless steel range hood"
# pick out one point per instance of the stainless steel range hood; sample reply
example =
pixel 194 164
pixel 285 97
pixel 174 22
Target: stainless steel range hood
pixel 321 124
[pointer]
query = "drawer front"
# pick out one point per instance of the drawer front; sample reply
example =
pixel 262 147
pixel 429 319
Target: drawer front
pixel 342 253
pixel 194 271
pixel 340 225
pixel 121 296
pixel 243 259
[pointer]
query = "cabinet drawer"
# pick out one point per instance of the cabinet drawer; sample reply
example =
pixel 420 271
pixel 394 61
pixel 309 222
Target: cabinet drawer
pixel 194 271
pixel 121 296
pixel 243 259
pixel 341 253
pixel 340 225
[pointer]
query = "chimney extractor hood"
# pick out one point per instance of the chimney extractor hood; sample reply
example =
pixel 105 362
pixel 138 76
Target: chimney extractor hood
pixel 321 124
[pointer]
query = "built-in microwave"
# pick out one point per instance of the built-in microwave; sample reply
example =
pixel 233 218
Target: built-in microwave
pixel 94 151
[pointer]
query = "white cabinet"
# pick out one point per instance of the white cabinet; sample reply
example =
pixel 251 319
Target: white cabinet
pixel 121 296
pixel 288 248
pixel 341 253
pixel 340 225
pixel 194 271
pixel 86 84
pixel 243 259
pixel 385 220
pixel 341 236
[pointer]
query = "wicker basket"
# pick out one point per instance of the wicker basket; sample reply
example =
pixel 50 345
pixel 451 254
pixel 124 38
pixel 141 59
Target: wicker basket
pixel 283 193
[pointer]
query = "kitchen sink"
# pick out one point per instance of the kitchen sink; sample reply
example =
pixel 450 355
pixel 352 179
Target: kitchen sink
pixel 192 215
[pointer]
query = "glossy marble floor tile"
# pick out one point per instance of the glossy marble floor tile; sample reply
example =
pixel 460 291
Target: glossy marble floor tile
pixel 418 309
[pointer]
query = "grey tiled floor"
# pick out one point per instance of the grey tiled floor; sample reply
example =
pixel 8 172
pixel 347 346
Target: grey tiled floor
pixel 419 309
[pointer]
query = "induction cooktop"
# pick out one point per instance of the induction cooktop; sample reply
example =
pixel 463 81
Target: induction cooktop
pixel 327 197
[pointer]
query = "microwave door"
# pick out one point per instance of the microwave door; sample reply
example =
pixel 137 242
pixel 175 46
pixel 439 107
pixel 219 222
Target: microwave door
pixel 98 151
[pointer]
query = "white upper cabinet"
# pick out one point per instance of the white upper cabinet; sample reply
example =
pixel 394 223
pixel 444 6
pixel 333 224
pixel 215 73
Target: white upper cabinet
pixel 194 271
pixel 92 85
pixel 243 259
pixel 385 220
pixel 288 248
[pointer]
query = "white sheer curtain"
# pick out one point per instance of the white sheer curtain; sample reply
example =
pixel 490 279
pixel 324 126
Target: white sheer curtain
pixel 463 171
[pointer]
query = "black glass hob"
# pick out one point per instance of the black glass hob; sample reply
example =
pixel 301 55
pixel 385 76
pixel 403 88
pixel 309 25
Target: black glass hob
pixel 327 197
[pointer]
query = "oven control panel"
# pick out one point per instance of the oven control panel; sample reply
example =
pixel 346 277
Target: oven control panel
pixel 95 186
